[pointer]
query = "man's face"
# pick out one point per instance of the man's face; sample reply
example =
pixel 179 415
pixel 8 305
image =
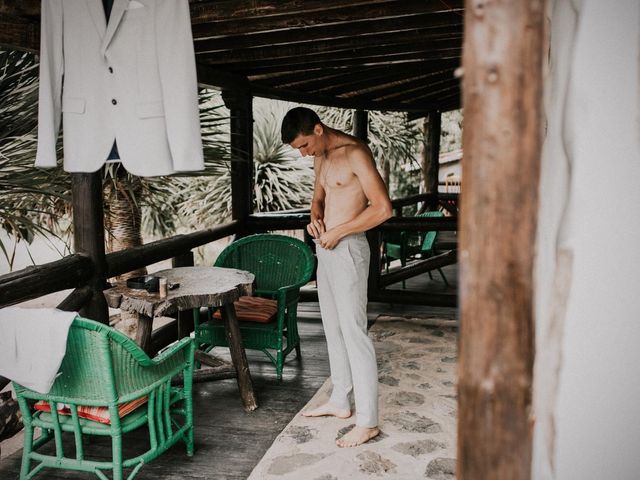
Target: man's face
pixel 309 145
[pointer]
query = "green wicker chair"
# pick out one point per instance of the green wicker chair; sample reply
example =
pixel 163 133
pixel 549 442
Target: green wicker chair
pixel 281 266
pixel 104 368
pixel 403 245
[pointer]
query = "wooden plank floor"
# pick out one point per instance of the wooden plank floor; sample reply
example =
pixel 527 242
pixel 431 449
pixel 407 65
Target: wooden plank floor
pixel 230 442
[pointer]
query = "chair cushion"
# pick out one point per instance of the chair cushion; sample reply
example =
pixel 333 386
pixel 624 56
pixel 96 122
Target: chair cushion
pixel 253 309
pixel 97 414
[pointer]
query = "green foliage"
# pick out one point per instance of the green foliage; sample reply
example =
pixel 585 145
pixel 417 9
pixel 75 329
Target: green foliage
pixel 32 201
pixel 282 180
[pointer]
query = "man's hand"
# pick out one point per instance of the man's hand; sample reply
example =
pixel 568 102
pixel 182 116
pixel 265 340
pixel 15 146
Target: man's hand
pixel 330 239
pixel 316 228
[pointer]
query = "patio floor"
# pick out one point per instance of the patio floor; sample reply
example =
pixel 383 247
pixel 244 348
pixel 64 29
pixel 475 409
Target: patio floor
pixel 229 442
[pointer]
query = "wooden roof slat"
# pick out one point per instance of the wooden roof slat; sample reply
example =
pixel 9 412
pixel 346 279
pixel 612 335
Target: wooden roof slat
pixel 345 60
pixel 365 54
pixel 390 42
pixel 385 85
pixel 309 34
pixel 268 13
pixel 423 93
pixel 214 77
pixel 19 32
pixel 355 54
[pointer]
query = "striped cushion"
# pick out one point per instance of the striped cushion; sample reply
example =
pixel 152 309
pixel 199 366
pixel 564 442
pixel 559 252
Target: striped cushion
pixel 254 309
pixel 97 414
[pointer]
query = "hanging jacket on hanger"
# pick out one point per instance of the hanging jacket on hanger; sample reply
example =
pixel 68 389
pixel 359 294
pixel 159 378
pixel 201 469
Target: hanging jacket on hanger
pixel 132 79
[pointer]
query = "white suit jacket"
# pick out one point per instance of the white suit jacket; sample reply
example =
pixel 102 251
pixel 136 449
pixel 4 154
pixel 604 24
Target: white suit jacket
pixel 133 81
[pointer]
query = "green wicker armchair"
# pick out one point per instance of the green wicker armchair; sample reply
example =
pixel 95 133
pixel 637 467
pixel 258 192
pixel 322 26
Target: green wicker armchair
pixel 104 368
pixel 281 266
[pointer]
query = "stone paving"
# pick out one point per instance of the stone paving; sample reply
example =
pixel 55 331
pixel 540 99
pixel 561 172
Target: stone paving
pixel 416 371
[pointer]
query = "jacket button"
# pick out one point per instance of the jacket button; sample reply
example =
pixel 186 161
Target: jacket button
pixel 114 101
pixel 110 69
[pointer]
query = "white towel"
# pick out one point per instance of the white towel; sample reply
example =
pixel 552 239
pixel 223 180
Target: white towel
pixel 33 342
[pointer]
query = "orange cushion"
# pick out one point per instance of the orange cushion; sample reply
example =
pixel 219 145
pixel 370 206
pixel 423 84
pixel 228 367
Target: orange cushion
pixel 254 309
pixel 97 414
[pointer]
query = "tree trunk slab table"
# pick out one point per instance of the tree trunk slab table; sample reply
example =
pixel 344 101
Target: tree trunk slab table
pixel 199 287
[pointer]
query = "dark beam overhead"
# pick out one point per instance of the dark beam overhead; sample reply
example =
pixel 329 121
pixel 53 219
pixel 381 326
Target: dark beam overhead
pixel 273 15
pixel 361 54
pixel 322 32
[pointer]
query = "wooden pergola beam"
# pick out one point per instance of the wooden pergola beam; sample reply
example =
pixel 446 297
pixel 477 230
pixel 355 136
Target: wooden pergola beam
pixel 20 33
pixel 311 71
pixel 402 41
pixel 215 78
pixel 317 33
pixel 336 61
pixel 503 78
pixel 374 88
pixel 274 14
pixel 407 87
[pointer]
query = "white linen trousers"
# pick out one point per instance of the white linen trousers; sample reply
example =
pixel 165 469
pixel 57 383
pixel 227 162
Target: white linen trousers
pixel 342 292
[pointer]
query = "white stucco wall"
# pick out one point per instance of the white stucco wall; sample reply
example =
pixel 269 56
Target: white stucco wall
pixel 587 369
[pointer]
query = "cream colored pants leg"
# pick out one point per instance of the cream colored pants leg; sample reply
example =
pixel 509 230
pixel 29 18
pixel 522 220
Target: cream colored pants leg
pixel 342 292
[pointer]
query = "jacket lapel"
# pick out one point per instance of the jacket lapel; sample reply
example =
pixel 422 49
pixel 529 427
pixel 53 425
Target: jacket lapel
pixel 97 15
pixel 117 12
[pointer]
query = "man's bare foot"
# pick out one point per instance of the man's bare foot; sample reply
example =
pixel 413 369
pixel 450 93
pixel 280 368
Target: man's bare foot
pixel 327 410
pixel 357 436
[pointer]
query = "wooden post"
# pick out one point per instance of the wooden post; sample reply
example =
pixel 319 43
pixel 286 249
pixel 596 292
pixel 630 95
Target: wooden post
pixel 430 161
pixel 184 318
pixel 241 106
pixel 88 238
pixel 502 87
pixel 361 124
pixel 361 131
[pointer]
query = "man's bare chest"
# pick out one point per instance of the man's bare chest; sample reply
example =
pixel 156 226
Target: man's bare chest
pixel 336 175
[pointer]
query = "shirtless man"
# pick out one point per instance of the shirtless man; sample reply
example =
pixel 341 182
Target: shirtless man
pixel 349 198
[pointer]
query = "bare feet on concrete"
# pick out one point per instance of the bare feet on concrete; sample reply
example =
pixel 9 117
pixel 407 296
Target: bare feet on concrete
pixel 327 410
pixel 357 436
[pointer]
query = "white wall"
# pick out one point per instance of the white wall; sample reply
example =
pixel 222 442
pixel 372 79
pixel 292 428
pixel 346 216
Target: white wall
pixel 587 369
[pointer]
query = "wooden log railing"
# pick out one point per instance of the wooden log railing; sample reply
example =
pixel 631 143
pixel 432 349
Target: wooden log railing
pixel 448 201
pixel 416 268
pixel 132 258
pixel 75 270
pixel 33 282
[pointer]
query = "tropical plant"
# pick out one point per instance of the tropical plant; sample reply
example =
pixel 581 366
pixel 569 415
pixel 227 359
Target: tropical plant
pixel 282 179
pixel 32 201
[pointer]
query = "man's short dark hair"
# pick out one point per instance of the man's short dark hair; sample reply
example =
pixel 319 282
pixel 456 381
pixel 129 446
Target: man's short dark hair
pixel 298 121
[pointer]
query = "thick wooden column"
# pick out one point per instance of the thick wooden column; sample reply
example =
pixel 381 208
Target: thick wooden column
pixel 361 131
pixel 430 161
pixel 88 238
pixel 502 87
pixel 361 124
pixel 241 106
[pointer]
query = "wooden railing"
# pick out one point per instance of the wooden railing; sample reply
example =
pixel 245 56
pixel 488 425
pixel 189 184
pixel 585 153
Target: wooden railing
pixel 74 270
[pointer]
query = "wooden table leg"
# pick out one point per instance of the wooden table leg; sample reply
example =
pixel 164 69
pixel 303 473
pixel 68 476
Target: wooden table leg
pixel 239 357
pixel 143 333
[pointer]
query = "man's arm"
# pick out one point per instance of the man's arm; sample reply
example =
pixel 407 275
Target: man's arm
pixel 379 208
pixel 316 227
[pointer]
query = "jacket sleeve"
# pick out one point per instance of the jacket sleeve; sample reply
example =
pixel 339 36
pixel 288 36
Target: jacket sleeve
pixel 176 59
pixel 50 89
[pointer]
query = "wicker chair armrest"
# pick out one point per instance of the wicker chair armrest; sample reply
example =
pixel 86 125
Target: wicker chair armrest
pixel 169 352
pixel 289 293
